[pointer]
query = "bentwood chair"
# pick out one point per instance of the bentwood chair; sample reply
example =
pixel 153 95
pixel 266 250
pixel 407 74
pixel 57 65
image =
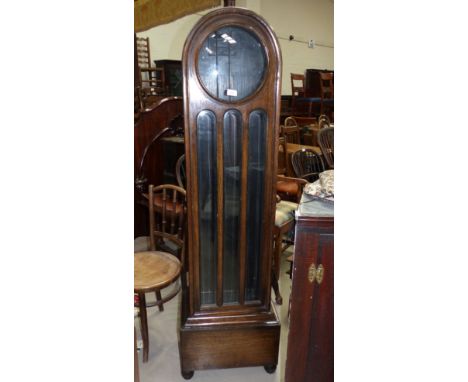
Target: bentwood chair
pixel 326 143
pixel 153 270
pixel 168 212
pixel 324 121
pixel 307 128
pixel 167 222
pixel 290 121
pixel 307 164
pixel 292 134
pixel 160 266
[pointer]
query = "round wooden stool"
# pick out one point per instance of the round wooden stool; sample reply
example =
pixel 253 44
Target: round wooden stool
pixel 153 271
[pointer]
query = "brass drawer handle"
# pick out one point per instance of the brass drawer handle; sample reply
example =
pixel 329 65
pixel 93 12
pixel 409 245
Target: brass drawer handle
pixel 319 274
pixel 312 272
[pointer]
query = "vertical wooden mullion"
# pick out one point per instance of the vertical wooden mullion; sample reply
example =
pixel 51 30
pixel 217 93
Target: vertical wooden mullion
pixel 164 210
pixel 243 209
pixel 266 246
pixel 271 156
pixel 191 152
pixel 174 212
pixel 151 218
pixel 220 207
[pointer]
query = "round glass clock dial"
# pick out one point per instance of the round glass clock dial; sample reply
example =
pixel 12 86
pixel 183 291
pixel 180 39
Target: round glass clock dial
pixel 231 64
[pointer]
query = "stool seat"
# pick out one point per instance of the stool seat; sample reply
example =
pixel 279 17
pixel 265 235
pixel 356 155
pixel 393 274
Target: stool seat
pixel 154 270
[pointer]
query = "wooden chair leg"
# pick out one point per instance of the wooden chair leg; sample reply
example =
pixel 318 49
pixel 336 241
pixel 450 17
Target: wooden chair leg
pixel 275 286
pixel 159 298
pixel 277 253
pixel 144 326
pixel 136 370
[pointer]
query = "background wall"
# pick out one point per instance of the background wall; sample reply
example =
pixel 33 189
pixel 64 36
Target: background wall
pixel 304 19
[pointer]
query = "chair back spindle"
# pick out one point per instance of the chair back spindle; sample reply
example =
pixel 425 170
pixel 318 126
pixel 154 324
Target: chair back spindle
pixel 326 143
pixel 167 207
pixel 307 164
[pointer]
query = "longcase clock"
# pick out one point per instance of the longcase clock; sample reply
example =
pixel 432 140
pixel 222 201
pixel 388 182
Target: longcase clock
pixel 231 66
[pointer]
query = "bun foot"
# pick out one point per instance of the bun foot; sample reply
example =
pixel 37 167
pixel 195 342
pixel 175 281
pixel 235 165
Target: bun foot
pixel 270 369
pixel 187 374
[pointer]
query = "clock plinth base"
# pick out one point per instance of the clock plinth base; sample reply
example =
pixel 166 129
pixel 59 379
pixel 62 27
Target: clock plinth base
pixel 221 345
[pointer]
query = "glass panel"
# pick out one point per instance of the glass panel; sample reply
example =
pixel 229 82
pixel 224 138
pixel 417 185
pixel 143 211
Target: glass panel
pixel 231 63
pixel 207 208
pixel 232 147
pixel 255 200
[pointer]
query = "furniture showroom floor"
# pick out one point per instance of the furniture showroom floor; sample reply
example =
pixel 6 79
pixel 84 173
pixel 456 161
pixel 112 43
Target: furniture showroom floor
pixel 163 362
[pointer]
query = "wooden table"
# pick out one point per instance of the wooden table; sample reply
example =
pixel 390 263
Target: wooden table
pixel 153 270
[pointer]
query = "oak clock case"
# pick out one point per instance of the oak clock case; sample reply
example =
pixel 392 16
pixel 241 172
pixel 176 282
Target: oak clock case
pixel 231 65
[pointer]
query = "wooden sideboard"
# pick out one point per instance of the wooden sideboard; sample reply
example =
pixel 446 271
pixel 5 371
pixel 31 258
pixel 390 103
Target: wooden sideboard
pixel 310 341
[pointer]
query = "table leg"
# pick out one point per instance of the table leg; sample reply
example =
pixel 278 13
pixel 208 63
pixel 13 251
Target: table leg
pixel 144 326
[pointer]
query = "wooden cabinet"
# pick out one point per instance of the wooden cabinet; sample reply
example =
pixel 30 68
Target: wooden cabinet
pixel 310 341
pixel 231 66
pixel 312 82
pixel 172 76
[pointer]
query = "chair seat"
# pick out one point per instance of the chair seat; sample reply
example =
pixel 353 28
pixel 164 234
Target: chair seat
pixel 285 212
pixel 288 188
pixel 154 270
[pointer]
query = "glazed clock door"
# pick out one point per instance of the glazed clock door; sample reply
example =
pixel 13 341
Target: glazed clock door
pixel 231 86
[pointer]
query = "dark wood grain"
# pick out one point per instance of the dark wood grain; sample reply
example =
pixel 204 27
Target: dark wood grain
pixel 246 332
pixel 230 346
pixel 310 340
pixel 152 121
pixel 312 82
